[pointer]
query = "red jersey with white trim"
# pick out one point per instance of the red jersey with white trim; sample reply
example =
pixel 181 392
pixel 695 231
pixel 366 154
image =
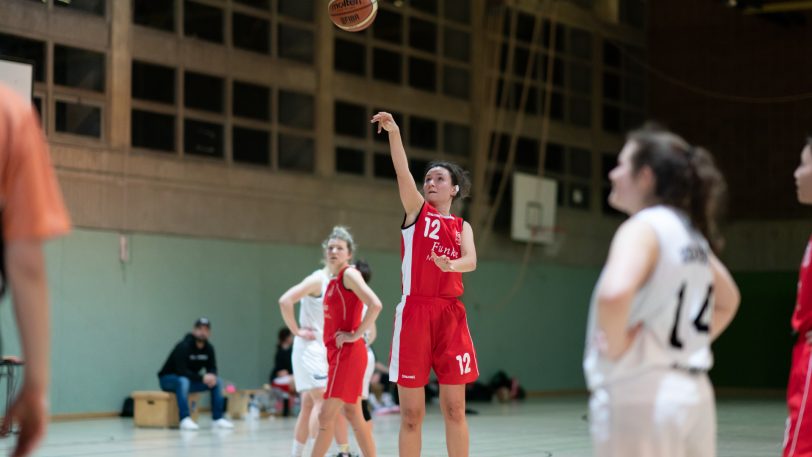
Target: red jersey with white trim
pixel 802 317
pixel 431 232
pixel 342 310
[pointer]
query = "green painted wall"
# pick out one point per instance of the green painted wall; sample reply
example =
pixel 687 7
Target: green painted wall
pixel 114 324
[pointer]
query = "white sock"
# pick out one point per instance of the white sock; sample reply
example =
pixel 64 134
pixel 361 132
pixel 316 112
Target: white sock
pixel 298 448
pixel 309 446
pixel 344 447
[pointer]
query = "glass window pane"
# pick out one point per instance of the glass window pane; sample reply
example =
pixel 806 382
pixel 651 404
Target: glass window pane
pixel 422 35
pixel 457 139
pixel 79 68
pixel 558 72
pixel 251 146
pixel 202 138
pixel 458 10
pixel 202 21
pixel 554 158
pixel 382 166
pixel 296 109
pixel 350 161
pixel 78 119
pixel 153 82
pixel 350 119
pixel 611 55
pixel 388 26
pixel 251 33
pixel 296 153
pixel 580 163
pixel 203 92
pixel 527 154
pixel 521 56
pixel 422 74
pixel 581 43
pixel 457 44
pixel 634 91
pixel 611 86
pixel 387 66
pixel 298 9
pixel 524 27
pixel 456 82
pixel 350 57
pixel 580 78
pixel 88 6
pixel 153 130
pixel 611 118
pixel 581 111
pixel 25 49
pixel 608 163
pixel 296 44
pixel 422 132
pixel 252 101
pixel 557 106
pixel 159 15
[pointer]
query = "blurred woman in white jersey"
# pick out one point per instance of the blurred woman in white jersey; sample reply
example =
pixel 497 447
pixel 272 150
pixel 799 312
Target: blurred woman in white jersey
pixel 662 298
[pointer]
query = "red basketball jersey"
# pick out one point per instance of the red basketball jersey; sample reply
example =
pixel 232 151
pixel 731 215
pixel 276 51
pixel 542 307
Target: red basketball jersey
pixel 802 318
pixel 342 310
pixel 431 232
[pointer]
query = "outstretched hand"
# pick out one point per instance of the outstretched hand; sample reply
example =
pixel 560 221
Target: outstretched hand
pixel 385 121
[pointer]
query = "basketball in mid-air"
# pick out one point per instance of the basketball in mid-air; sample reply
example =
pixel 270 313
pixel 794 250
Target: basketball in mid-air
pixel 353 15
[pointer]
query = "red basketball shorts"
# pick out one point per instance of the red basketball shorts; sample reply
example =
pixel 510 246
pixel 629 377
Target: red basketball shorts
pixel 432 333
pixel 346 375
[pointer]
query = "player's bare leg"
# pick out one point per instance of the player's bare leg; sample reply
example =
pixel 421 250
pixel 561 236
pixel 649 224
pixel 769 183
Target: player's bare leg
pixel 452 404
pixel 327 419
pixel 362 430
pixel 412 412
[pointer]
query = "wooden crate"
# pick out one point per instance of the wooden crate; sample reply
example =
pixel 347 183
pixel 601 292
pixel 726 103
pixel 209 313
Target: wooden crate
pixel 155 408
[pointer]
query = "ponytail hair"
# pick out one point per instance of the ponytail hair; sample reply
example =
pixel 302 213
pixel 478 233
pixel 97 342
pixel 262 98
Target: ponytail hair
pixel 686 177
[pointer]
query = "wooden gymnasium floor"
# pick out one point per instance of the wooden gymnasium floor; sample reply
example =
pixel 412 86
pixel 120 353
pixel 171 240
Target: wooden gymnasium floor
pixel 537 428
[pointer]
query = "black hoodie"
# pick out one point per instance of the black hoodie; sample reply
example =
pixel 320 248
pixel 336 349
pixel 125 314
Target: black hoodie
pixel 188 360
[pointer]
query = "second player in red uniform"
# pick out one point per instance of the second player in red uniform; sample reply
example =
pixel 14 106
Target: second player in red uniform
pixel 431 329
pixel 346 352
pixel 798 437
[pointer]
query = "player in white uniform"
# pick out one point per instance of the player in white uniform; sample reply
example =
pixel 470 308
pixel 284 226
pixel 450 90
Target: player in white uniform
pixel 369 338
pixel 309 357
pixel 662 297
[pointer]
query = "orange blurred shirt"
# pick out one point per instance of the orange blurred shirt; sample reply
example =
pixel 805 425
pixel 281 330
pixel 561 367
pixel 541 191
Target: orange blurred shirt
pixel 30 199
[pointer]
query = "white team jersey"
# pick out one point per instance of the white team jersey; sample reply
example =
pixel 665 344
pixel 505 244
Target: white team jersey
pixel 674 307
pixel 311 309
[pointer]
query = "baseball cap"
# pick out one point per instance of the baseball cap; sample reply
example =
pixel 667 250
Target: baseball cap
pixel 203 321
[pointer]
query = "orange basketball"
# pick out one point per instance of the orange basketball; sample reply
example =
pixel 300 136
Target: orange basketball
pixel 353 15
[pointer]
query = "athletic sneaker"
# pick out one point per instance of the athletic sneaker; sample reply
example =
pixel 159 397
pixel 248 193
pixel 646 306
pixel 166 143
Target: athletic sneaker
pixel 188 424
pixel 223 423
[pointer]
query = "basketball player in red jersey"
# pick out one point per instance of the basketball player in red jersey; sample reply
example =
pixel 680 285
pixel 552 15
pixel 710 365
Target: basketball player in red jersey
pixel 346 352
pixel 431 329
pixel 798 436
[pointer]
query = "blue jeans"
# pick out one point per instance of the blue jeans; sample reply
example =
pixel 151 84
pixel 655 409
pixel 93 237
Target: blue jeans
pixel 181 386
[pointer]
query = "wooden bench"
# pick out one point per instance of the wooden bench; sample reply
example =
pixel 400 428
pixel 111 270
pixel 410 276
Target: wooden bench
pixel 155 408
